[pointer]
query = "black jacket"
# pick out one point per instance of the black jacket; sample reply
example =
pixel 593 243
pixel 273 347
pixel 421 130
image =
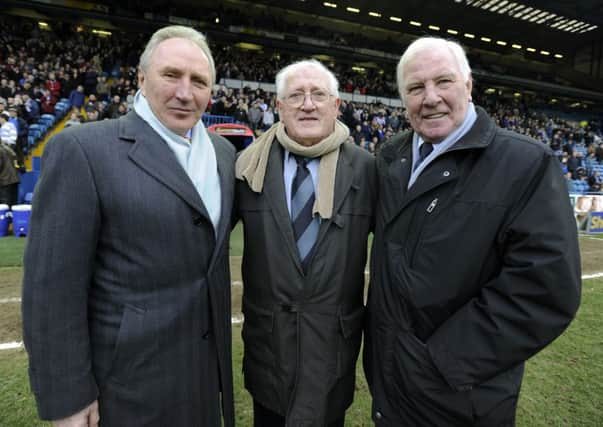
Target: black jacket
pixel 302 333
pixel 475 268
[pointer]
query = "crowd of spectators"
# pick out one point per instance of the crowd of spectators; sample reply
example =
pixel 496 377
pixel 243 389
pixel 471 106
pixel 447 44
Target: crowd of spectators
pixel 98 77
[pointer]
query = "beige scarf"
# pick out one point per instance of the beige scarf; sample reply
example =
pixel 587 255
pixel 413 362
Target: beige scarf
pixel 251 164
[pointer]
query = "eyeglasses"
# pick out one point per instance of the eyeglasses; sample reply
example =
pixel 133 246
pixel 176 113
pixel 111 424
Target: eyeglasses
pixel 296 99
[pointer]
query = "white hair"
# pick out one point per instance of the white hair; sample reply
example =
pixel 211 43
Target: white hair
pixel 429 43
pixel 282 75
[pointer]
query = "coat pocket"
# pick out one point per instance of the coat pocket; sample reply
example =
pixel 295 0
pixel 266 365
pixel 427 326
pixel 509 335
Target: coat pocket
pixel 257 336
pixel 419 380
pixel 349 341
pixel 135 348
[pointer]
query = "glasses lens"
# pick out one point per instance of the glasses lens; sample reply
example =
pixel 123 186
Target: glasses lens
pixel 296 99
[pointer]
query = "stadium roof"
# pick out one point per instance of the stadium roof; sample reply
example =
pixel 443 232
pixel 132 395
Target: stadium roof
pixel 557 27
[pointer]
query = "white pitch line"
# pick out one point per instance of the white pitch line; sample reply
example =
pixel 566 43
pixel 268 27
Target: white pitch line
pixel 585 236
pixel 10 345
pixel 7 300
pixel 592 276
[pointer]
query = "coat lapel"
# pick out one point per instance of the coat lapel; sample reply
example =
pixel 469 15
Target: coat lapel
pixel 398 161
pixel 225 162
pixel 344 181
pixel 441 170
pixel 274 191
pixel 155 157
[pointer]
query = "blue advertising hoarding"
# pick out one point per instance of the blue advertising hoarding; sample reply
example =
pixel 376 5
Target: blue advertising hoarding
pixel 595 222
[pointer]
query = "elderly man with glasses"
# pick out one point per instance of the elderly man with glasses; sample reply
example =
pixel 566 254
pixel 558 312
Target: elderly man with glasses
pixel 306 200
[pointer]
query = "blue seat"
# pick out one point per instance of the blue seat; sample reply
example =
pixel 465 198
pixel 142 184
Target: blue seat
pixel 41 127
pixel 46 123
pixel 48 117
pixel 36 127
pixel 31 143
pixel 211 119
pixel 35 133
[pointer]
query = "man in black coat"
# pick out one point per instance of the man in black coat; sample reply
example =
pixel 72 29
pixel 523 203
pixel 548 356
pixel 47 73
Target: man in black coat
pixel 306 198
pixel 126 288
pixel 475 264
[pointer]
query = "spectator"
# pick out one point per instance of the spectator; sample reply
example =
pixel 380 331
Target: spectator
pixel 268 118
pixel 77 97
pixel 32 109
pixel 74 119
pixel 102 88
pixel 22 129
pixel 594 184
pixel 8 132
pixel 112 110
pixel 53 85
pixel 9 177
pixel 357 134
pixel 240 112
pixel 47 102
pixel 573 163
pixel 255 115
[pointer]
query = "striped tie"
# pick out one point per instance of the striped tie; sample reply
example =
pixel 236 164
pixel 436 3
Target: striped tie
pixel 305 227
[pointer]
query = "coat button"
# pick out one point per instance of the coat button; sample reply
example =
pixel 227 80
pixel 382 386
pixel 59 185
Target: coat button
pixel 198 221
pixel 446 173
pixel 403 160
pixel 378 415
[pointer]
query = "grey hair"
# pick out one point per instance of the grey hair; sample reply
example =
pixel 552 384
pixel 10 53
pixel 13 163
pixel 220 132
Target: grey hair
pixel 427 43
pixel 282 75
pixel 177 31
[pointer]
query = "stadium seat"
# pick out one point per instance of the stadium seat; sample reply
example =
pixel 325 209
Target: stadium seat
pixel 36 127
pixel 36 132
pixel 210 119
pixel 46 122
pixel 31 143
pixel 48 117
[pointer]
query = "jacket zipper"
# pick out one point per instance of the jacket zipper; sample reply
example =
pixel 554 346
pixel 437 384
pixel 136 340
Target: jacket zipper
pixel 432 205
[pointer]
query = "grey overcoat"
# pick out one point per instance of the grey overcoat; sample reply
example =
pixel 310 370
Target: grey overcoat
pixel 126 291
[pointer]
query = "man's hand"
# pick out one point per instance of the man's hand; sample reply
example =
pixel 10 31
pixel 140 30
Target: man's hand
pixel 87 417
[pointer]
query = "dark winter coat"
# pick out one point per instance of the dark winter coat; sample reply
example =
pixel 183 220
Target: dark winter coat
pixel 302 333
pixel 475 268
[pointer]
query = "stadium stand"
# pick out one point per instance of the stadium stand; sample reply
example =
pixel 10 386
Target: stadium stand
pixel 44 67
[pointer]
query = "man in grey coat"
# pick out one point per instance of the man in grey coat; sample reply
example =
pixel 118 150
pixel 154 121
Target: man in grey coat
pixel 475 264
pixel 126 291
pixel 306 200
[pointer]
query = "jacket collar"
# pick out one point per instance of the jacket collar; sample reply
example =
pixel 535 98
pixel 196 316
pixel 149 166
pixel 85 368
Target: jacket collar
pixel 397 158
pixel 480 135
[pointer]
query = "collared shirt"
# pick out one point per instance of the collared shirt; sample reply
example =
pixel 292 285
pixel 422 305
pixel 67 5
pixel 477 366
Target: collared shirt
pixel 289 171
pixel 440 147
